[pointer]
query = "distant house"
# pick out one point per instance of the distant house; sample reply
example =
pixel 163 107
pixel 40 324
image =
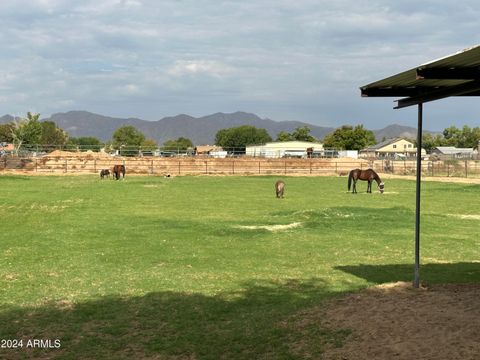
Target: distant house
pixel 398 148
pixel 452 152
pixel 299 149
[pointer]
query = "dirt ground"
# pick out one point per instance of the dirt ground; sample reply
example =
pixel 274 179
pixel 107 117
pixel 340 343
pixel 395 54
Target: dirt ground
pixel 396 321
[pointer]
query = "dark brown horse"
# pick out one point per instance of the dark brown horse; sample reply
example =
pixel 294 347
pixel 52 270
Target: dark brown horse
pixel 117 170
pixel 104 173
pixel 368 175
pixel 279 188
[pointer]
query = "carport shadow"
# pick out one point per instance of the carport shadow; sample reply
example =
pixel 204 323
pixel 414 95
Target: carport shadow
pixel 465 272
pixel 254 323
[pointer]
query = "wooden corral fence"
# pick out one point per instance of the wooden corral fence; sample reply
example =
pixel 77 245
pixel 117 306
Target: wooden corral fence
pixel 182 166
pixel 234 166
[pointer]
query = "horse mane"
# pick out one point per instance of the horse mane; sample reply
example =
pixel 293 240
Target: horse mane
pixel 376 177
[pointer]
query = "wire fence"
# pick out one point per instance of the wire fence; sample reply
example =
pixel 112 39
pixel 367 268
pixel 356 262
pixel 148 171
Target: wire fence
pixel 234 166
pixel 35 150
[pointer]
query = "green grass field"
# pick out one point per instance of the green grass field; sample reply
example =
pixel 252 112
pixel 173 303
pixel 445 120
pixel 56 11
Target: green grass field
pixel 184 268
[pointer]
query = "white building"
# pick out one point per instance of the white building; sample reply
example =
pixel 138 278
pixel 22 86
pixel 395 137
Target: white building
pixel 285 149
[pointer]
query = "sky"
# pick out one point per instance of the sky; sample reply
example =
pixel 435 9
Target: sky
pixel 298 60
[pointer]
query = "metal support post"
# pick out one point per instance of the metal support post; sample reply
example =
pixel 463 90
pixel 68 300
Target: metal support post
pixel 416 281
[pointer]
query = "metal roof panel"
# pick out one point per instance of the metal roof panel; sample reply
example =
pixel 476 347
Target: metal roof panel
pixel 407 83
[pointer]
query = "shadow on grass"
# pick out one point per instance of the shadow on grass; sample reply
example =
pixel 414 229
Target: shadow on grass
pixel 252 324
pixel 464 272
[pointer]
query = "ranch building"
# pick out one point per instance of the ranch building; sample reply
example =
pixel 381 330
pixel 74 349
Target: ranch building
pixel 452 152
pixel 286 149
pixel 397 148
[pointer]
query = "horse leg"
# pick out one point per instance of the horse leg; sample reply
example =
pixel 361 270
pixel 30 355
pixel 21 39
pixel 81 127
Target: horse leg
pixel 369 186
pixel 354 190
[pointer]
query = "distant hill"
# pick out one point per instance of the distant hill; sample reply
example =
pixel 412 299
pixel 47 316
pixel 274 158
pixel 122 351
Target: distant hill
pixel 6 119
pixel 395 130
pixel 200 130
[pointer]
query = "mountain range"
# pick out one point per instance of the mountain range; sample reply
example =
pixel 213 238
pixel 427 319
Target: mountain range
pixel 200 130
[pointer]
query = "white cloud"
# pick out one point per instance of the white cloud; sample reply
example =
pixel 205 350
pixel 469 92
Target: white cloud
pixel 131 89
pixel 200 67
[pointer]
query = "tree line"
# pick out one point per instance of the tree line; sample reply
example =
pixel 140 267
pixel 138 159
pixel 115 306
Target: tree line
pixel 465 137
pixel 30 130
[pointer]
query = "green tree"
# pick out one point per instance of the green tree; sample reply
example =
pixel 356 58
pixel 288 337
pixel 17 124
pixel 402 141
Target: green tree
pixel 303 134
pixel 52 135
pixel 85 143
pixel 284 136
pixel 349 138
pixel 27 131
pixel 466 137
pixel 430 141
pixel 180 144
pixel 238 138
pixel 127 135
pixel 6 132
pixel 149 145
pixel 469 137
pixel 451 135
pixel 128 140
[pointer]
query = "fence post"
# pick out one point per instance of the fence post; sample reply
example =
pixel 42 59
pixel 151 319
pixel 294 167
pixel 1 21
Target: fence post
pixel 448 170
pixel 233 167
pixel 336 167
pixel 285 171
pixel 36 165
pixel 94 165
pixel 66 165
pixel 178 167
pixel 310 166
pixel 466 168
pixel 206 167
pixel 151 167
pixel 259 167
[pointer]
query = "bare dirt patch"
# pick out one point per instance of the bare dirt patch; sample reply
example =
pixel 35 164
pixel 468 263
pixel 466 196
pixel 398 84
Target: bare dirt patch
pixel 272 228
pixel 466 216
pixel 396 321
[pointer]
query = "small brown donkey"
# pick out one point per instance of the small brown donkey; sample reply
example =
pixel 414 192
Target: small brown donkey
pixel 279 188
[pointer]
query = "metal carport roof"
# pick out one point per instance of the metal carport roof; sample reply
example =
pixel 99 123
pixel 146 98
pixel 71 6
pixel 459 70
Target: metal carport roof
pixel 454 75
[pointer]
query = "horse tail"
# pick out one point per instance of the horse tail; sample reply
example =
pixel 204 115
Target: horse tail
pixel 350 176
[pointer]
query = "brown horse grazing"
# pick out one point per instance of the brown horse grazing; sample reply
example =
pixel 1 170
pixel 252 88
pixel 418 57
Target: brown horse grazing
pixel 369 175
pixel 279 188
pixel 104 173
pixel 117 170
